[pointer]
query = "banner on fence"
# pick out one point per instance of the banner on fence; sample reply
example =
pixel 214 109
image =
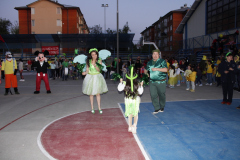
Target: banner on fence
pixel 53 50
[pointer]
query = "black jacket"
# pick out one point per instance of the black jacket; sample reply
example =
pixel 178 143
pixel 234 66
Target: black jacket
pixel 230 76
pixel 42 68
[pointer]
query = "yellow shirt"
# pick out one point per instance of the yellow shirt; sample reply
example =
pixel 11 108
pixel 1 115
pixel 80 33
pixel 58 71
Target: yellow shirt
pixel 209 68
pixel 7 66
pixel 192 76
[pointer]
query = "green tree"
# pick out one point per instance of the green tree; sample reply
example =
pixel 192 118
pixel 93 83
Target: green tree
pixel 14 28
pixel 4 26
pixel 125 29
pixel 95 29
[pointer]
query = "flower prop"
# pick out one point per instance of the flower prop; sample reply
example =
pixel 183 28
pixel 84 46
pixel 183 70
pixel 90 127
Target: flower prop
pixel 131 78
pixel 116 76
pixel 145 79
pixel 81 67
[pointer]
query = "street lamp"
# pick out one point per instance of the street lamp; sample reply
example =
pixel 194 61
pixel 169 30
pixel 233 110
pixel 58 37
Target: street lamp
pixel 105 5
pixel 117 39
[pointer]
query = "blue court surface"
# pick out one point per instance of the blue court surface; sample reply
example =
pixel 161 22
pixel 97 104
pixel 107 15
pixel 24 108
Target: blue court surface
pixel 189 130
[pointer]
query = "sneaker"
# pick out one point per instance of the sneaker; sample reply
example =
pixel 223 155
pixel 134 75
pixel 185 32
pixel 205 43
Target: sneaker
pixel 178 85
pixel 161 110
pixel 92 111
pixel 228 103
pixel 207 84
pixel 210 84
pixel 196 84
pixel 192 90
pixel 129 129
pixel 100 111
pixel 187 89
pixel 23 80
pixel 134 129
pixel 200 85
pixel 156 111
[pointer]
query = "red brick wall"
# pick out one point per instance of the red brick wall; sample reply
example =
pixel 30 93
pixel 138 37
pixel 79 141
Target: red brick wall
pixel 24 21
pixel 70 20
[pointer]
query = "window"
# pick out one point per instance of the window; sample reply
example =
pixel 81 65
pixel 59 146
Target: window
pixel 32 10
pixel 59 22
pixel 58 10
pixel 33 22
pixel 170 27
pixel 33 32
pixel 170 39
pixel 171 17
pixel 170 48
pixel 221 15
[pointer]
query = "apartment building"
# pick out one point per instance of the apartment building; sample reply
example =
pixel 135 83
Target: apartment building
pixel 162 32
pixel 51 17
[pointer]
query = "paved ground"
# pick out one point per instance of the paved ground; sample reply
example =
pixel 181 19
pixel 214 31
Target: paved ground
pixel 23 116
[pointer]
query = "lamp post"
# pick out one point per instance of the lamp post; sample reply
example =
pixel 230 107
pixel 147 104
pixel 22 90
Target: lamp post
pixel 117 40
pixel 104 5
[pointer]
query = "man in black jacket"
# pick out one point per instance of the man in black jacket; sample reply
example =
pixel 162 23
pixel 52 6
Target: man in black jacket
pixel 227 68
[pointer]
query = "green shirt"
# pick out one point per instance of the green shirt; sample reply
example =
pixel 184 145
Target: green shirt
pixel 65 64
pixel 157 75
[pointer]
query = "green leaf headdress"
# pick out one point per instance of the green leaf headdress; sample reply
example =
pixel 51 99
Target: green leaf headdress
pixel 131 78
pixel 93 49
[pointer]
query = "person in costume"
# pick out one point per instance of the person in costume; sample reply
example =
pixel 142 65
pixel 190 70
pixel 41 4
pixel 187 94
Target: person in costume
pixel 187 72
pixel 94 82
pixel 227 69
pixel 9 67
pixel 172 76
pixel 41 65
pixel 158 70
pixel 132 100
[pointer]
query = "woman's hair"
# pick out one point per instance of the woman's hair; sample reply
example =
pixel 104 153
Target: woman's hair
pixel 89 57
pixel 128 92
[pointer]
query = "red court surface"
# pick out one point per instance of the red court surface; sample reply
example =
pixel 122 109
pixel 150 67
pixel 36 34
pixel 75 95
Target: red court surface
pixel 90 136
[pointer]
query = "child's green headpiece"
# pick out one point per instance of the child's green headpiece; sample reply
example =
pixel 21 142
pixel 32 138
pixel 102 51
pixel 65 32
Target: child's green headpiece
pixel 93 49
pixel 131 78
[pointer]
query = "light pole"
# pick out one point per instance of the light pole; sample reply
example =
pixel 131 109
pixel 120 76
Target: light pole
pixel 117 40
pixel 104 5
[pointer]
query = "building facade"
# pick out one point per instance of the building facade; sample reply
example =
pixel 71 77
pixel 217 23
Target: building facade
pixel 162 32
pixel 208 21
pixel 51 17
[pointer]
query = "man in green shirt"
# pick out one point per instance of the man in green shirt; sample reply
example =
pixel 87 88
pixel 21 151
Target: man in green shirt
pixel 158 71
pixel 65 65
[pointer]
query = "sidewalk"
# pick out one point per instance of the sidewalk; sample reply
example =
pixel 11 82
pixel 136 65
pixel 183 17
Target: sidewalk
pixel 23 116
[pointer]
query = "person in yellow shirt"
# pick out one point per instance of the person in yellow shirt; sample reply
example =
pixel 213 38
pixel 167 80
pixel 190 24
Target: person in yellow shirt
pixel 192 78
pixel 9 67
pixel 209 73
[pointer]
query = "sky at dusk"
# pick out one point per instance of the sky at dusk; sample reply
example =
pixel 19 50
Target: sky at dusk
pixel 138 13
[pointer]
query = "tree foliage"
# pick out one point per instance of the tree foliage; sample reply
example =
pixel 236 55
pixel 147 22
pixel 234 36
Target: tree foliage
pixel 95 29
pixel 14 28
pixel 5 26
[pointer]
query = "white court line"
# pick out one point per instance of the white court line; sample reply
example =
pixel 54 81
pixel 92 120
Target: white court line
pixel 136 138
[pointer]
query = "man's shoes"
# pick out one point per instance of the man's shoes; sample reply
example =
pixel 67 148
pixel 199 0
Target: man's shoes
pixel 223 102
pixel 228 103
pixel 156 111
pixel 49 92
pixel 36 92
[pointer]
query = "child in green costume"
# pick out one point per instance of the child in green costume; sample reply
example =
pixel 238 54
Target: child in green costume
pixel 132 91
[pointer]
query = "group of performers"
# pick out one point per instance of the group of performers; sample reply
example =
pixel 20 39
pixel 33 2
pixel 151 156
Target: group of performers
pixel 94 83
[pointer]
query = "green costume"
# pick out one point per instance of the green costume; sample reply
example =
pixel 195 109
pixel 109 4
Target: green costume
pixel 157 83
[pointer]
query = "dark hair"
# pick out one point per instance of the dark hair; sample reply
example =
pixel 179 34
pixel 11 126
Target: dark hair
pixel 128 92
pixel 89 57
pixel 173 67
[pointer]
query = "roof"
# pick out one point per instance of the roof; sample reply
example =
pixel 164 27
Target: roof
pixel 188 16
pixel 67 40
